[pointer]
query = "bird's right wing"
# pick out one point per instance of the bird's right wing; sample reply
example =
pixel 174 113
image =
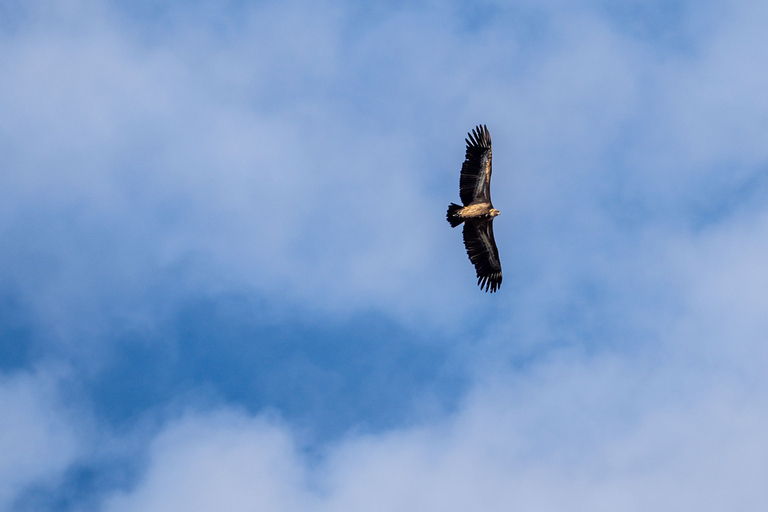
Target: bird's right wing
pixel 482 252
pixel 475 181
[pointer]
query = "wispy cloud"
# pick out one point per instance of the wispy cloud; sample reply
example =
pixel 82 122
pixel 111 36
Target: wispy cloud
pixel 39 437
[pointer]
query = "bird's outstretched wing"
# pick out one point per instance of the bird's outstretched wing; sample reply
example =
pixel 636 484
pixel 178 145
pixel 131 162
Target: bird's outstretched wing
pixel 482 252
pixel 475 181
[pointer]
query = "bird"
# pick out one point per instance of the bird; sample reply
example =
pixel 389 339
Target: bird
pixel 477 212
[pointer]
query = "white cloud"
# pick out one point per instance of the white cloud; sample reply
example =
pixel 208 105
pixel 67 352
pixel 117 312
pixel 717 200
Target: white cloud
pixel 588 436
pixel 39 438
pixel 221 461
pixel 294 152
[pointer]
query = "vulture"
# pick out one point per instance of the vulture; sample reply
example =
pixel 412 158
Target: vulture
pixel 477 212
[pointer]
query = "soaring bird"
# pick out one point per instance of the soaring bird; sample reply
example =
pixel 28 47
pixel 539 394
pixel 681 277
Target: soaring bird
pixel 478 213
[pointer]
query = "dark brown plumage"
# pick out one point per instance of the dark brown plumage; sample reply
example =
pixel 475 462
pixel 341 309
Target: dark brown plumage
pixel 478 212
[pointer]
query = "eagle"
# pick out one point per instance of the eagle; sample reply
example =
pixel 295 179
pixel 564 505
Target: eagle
pixel 477 212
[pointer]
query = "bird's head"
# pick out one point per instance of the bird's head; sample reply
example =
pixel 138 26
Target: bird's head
pixel 494 212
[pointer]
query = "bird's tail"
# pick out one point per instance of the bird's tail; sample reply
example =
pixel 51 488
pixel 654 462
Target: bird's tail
pixel 454 219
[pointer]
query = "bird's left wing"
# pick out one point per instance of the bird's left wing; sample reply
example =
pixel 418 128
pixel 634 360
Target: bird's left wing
pixel 475 181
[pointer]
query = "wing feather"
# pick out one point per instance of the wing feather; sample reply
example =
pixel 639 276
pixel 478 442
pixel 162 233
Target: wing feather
pixel 475 181
pixel 482 252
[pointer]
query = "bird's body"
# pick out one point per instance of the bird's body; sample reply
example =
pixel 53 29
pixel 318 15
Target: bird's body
pixel 477 212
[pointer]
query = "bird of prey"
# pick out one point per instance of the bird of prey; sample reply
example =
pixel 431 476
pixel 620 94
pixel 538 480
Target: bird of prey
pixel 477 213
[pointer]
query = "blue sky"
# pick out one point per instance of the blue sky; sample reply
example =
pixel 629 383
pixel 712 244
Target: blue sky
pixel 227 283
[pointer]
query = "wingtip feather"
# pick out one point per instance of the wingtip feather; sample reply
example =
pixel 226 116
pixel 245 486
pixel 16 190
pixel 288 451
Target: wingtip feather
pixel 479 137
